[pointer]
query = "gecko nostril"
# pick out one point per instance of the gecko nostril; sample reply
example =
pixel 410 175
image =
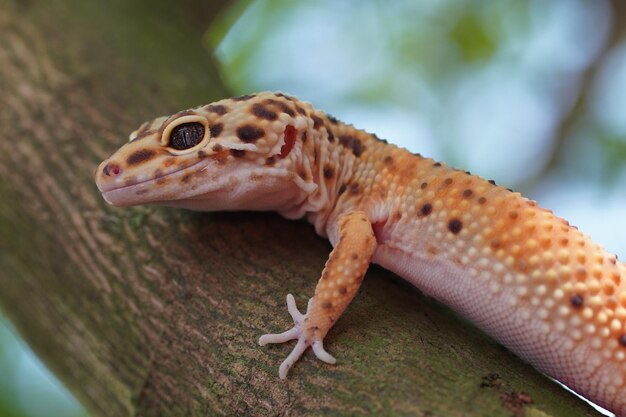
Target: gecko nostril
pixel 111 169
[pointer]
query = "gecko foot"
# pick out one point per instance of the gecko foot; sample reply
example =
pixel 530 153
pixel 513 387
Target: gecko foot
pixel 296 333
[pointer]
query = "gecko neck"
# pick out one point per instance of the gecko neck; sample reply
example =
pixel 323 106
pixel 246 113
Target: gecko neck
pixel 333 156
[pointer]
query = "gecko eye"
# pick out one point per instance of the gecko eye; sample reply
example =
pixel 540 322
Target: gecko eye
pixel 186 135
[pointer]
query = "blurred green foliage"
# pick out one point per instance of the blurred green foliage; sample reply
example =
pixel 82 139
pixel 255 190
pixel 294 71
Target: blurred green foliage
pixel 474 42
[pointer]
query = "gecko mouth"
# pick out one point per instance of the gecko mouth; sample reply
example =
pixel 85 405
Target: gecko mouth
pixel 139 192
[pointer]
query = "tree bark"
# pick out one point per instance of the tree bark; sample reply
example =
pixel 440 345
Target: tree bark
pixel 156 312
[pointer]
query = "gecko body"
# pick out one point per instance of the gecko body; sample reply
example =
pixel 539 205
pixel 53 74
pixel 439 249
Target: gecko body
pixel 526 277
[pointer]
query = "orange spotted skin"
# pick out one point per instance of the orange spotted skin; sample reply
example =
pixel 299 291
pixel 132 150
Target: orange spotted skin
pixel 536 284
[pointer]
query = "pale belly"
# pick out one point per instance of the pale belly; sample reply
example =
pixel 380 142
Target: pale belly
pixel 499 309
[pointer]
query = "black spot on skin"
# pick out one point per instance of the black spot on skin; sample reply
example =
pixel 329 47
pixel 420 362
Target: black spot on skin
pixel 332 119
pixel 284 107
pixel 426 209
pixel 237 153
pixel 437 164
pixel 244 97
pixel 342 290
pixel 185 179
pixel 329 172
pixel 249 133
pixel 302 175
pixel 354 188
pixel 455 226
pixel 270 161
pixel 355 256
pixel 467 193
pixel 140 156
pixel 468 173
pixel 317 122
pixel 622 340
pixel 357 148
pixel 352 143
pixel 217 147
pixel 388 160
pixel 378 139
pixel 304 137
pixel 482 200
pixel 447 181
pixel 419 155
pixel 513 215
pixel 263 113
pixel 217 108
pixel 342 189
pixel 424 185
pixel 284 96
pixel 492 182
pixel 576 300
pixel 216 129
pixel 300 110
pixel 331 137
pixel 327 304
pixel 201 154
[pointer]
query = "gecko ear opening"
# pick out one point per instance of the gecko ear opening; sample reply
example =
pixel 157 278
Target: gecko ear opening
pixel 290 140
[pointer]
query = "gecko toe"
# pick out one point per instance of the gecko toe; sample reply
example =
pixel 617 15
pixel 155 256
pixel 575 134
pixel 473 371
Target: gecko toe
pixel 293 309
pixel 283 337
pixel 320 352
pixel 293 357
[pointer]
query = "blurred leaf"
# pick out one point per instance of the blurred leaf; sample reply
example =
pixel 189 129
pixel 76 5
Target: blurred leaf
pixel 613 149
pixel 470 34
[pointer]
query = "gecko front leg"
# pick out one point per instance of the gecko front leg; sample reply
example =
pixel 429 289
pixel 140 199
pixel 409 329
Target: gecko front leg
pixel 341 279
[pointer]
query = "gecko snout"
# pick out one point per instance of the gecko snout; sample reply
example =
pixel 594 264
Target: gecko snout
pixel 106 174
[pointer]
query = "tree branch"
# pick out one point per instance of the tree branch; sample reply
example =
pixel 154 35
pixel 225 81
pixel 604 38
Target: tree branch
pixel 588 78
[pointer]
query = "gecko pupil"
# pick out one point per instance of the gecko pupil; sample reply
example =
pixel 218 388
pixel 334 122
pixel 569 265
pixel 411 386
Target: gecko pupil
pixel 186 136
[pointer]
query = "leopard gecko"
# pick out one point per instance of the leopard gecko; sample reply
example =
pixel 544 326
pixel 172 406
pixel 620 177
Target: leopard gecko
pixel 525 276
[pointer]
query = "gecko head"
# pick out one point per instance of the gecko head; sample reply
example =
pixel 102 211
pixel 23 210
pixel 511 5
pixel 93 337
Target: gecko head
pixel 239 153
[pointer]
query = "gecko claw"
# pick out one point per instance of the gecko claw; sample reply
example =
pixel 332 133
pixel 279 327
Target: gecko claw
pixel 279 337
pixel 293 310
pixel 296 333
